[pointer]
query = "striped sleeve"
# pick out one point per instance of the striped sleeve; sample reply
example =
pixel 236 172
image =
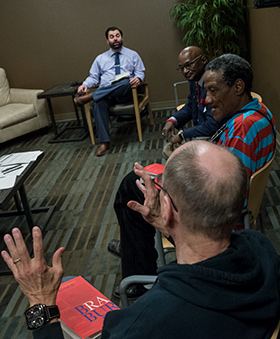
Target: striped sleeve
pixel 249 135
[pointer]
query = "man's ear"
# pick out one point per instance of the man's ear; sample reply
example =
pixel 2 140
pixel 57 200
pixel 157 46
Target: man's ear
pixel 239 86
pixel 204 59
pixel 167 211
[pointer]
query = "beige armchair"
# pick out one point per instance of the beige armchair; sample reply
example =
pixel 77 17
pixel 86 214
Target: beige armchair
pixel 20 110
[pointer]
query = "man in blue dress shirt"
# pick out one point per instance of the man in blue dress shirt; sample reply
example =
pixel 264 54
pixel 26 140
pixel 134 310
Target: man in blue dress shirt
pixel 118 60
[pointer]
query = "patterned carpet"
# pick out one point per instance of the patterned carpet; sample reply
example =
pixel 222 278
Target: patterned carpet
pixel 82 187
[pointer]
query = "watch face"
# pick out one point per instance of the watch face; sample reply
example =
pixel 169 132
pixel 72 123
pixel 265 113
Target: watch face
pixel 35 316
pixel 37 322
pixel 37 310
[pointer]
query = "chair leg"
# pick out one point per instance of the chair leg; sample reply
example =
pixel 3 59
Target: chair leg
pixel 262 218
pixel 138 122
pixel 89 122
pixel 150 114
pixel 246 221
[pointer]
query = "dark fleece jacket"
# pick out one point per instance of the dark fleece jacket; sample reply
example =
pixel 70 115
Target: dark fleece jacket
pixel 233 295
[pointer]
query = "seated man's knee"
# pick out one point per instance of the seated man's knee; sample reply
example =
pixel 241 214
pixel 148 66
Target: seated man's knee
pixel 127 190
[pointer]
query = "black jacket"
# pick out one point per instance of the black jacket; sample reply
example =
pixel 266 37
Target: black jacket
pixel 232 295
pixel 200 113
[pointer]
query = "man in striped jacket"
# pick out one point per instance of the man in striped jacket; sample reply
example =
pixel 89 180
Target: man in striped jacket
pixel 249 131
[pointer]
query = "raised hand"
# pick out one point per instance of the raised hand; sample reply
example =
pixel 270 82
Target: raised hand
pixel 150 210
pixel 37 280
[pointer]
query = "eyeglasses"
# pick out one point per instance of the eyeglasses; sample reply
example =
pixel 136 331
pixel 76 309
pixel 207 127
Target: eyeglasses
pixel 158 186
pixel 189 64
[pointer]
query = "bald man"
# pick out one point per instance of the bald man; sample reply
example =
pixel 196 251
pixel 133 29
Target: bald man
pixel 192 63
pixel 223 285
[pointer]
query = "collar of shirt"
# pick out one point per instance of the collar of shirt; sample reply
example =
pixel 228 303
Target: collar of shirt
pixel 113 52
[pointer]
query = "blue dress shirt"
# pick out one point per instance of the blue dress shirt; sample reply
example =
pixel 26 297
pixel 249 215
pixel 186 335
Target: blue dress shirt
pixel 102 71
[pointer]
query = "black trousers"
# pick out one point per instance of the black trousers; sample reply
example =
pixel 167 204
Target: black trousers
pixel 138 251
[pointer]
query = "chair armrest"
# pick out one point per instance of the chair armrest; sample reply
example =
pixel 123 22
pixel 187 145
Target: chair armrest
pixel 143 83
pixel 29 96
pixel 134 279
pixel 92 89
pixel 24 96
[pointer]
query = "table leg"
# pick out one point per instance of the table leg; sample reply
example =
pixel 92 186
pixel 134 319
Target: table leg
pixel 17 202
pixel 25 210
pixel 26 207
pixel 52 116
pixel 76 110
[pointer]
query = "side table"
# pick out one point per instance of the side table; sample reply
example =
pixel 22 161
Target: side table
pixel 63 90
pixel 22 205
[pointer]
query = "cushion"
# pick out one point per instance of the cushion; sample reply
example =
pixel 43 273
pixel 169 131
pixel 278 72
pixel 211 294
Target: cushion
pixel 14 114
pixel 4 88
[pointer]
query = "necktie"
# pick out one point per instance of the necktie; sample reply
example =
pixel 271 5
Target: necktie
pixel 117 63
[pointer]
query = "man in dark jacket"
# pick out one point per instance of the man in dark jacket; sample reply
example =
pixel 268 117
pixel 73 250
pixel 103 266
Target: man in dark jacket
pixel 223 285
pixel 192 64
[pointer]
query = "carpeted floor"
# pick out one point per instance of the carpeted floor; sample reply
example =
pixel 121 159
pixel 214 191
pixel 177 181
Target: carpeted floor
pixel 82 187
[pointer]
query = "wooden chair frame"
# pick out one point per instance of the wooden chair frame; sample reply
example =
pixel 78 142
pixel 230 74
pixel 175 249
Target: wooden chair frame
pixel 140 95
pixel 258 182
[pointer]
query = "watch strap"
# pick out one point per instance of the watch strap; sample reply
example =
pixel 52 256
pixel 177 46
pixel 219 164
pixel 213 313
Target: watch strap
pixel 39 315
pixel 52 312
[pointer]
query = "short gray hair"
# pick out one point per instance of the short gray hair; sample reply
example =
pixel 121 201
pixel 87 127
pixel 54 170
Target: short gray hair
pixel 206 204
pixel 233 67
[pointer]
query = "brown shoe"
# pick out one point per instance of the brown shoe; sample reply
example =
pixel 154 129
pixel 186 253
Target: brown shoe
pixel 83 99
pixel 102 149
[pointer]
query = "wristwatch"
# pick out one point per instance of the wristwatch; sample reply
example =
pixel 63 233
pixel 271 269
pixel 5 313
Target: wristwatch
pixel 39 315
pixel 180 133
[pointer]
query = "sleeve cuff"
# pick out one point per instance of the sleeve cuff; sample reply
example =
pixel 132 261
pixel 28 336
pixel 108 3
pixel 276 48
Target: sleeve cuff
pixel 172 119
pixel 52 330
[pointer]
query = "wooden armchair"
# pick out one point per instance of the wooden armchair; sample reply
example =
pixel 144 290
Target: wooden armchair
pixel 140 101
pixel 258 182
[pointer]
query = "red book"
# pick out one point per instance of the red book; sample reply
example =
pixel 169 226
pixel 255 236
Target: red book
pixel 82 308
pixel 154 170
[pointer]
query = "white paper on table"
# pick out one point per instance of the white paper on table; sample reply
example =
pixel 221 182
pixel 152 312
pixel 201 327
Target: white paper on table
pixel 19 158
pixel 8 180
pixel 22 159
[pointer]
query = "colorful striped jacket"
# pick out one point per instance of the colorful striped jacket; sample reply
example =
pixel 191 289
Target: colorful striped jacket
pixel 249 135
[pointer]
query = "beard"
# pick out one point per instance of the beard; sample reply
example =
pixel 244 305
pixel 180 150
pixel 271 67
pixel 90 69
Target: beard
pixel 116 45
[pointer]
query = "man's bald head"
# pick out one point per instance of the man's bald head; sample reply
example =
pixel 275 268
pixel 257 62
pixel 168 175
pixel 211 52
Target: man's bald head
pixel 193 51
pixel 192 63
pixel 208 185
